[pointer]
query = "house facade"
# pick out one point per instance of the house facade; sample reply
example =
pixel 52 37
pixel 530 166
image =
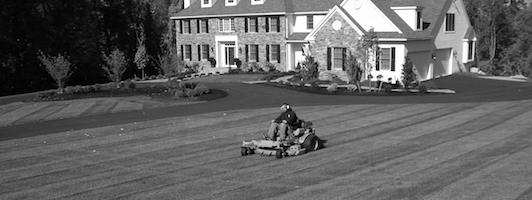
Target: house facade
pixel 435 35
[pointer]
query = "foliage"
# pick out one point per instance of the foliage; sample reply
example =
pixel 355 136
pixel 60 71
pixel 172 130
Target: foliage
pixel 309 69
pixel 366 48
pixel 213 62
pixel 408 73
pixel 332 88
pixel 188 89
pixel 141 59
pixel 115 65
pixel 59 68
pixel 353 70
pixel 268 67
pixel 517 59
pixel 170 64
pixel 81 29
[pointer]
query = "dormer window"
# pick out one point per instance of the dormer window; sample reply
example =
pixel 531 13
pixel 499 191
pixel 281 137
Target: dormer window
pixel 206 3
pixel 231 2
pixel 257 2
pixel 419 21
pixel 449 22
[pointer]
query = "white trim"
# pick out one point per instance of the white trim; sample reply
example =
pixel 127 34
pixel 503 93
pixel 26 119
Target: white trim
pixel 257 2
pixel 392 39
pixel 404 8
pixel 206 5
pixel 229 15
pixel 227 3
pixel 224 38
pixel 311 13
pixel 334 10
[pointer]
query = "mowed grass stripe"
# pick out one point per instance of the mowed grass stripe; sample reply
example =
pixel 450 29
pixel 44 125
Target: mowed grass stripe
pixel 14 115
pixel 191 171
pixel 394 173
pixel 40 115
pixel 237 165
pixel 362 160
pixel 506 179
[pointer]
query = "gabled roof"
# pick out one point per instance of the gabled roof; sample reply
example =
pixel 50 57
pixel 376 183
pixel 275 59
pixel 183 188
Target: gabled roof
pixel 244 7
pixel 431 14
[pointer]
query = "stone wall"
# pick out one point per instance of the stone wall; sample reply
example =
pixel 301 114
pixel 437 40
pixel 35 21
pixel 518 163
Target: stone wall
pixel 261 38
pixel 327 36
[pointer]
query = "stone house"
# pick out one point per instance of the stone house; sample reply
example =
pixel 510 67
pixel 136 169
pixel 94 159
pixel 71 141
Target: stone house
pixel 435 35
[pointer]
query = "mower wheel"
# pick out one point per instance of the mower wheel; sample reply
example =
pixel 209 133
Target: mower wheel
pixel 279 154
pixel 243 151
pixel 311 143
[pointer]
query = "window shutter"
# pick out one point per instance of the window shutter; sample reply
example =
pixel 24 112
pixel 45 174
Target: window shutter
pixel 181 26
pixel 279 54
pixel 278 24
pixel 182 53
pixel 393 59
pixel 208 51
pixel 220 25
pixel 199 52
pixel 189 26
pixel 198 26
pixel 268 53
pixel 343 59
pixel 329 58
pixel 246 24
pixel 247 53
pixel 257 53
pixel 267 24
pixel 378 60
pixel 206 25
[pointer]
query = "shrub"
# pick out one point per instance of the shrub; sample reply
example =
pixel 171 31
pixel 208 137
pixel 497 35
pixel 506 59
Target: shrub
pixel 422 88
pixel 268 67
pixel 115 65
pixel 409 76
pixel 58 67
pixel 255 67
pixel 212 61
pixel 332 88
pixel 387 88
pixel 131 85
pixel 238 63
pixel 309 69
pixel 189 89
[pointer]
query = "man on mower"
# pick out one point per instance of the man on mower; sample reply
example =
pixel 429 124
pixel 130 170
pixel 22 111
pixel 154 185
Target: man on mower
pixel 279 126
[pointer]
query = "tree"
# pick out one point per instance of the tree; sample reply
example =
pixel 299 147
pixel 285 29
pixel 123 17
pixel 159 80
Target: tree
pixel 115 66
pixel 309 69
pixel 170 64
pixel 517 58
pixel 353 70
pixel 59 68
pixel 366 49
pixel 409 76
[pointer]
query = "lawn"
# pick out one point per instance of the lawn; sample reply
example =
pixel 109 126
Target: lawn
pixel 399 151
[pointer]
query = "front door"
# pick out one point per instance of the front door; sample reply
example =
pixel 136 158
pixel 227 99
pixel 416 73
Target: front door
pixel 229 55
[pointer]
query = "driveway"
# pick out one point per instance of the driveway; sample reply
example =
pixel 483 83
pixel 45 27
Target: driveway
pixel 245 96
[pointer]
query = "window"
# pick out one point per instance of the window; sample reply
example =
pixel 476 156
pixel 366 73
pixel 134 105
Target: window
pixel 419 24
pixel 203 26
pixel 335 58
pixel 252 25
pixel 206 3
pixel 449 22
pixel 310 22
pixel 185 26
pixel 226 25
pixel 273 53
pixel 338 59
pixel 186 51
pixel 252 53
pixel 470 50
pixel 386 59
pixel 272 24
pixel 203 52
